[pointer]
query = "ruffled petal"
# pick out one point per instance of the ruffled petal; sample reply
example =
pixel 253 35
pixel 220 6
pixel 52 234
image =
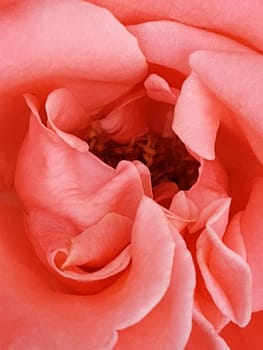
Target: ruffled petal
pixel 227 276
pixel 158 89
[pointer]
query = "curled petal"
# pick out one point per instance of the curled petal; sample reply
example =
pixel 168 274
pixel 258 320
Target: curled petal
pixel 196 117
pixel 158 89
pixel 244 74
pixel 100 243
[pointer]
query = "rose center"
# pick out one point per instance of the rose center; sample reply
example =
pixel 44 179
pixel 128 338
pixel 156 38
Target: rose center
pixel 166 157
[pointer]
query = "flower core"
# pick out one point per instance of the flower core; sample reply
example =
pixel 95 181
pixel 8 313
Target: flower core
pixel 166 157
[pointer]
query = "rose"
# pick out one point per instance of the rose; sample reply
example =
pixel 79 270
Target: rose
pixel 154 293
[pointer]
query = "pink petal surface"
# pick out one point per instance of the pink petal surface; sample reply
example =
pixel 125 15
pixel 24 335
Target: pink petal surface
pixel 204 333
pixel 71 196
pixel 180 41
pixel 100 243
pixel 158 89
pixel 173 313
pixel 227 276
pixel 49 44
pixel 250 227
pixel 230 17
pixel 236 92
pixel 37 313
pixel 196 117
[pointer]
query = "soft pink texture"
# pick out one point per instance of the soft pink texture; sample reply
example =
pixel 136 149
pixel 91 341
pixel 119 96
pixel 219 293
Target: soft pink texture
pixel 68 320
pixel 76 57
pixel 50 44
pixel 235 19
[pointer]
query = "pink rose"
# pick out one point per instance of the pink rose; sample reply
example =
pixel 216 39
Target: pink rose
pixel 131 174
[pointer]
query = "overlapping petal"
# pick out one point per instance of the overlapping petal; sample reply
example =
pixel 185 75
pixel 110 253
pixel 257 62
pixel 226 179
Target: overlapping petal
pixel 45 45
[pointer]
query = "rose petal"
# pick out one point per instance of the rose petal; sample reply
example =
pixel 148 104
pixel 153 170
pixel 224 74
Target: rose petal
pixel 180 41
pixel 100 243
pixel 158 89
pixel 67 321
pixel 70 197
pixel 174 312
pixel 128 119
pixel 204 333
pixel 250 227
pixel 229 17
pixel 196 117
pixel 244 74
pixel 226 274
pixel 52 43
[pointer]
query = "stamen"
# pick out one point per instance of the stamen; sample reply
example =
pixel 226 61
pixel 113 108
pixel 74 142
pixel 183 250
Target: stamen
pixel 166 158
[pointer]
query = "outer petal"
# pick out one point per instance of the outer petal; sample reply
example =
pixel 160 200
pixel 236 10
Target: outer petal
pixel 180 41
pixel 48 44
pixel 243 74
pixel 251 230
pixel 230 17
pixel 248 338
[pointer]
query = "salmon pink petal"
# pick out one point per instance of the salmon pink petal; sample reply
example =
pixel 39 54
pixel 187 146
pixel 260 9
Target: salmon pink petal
pixel 180 41
pixel 104 51
pixel 64 113
pixel 169 324
pixel 234 91
pixel 158 89
pixel 204 333
pixel 211 15
pixel 196 117
pixel 247 338
pixel 86 279
pixel 250 225
pixel 227 276
pixel 128 120
pixel 84 48
pixel 100 243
